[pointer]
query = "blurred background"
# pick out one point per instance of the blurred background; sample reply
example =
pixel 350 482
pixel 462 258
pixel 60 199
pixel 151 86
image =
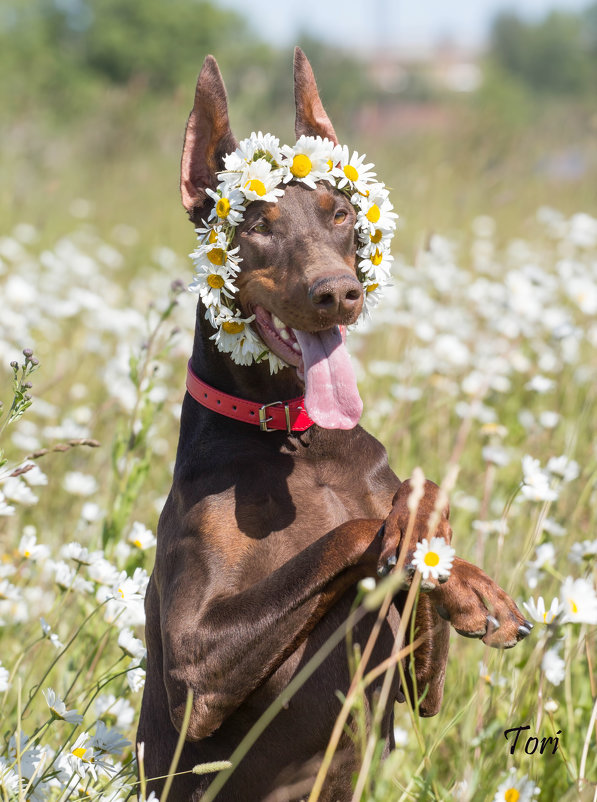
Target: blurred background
pixel 466 108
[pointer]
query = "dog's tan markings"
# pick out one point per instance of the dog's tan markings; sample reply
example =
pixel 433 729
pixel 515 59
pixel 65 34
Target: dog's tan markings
pixel 326 202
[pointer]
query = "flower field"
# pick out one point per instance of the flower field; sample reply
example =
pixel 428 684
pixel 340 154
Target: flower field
pixel 478 365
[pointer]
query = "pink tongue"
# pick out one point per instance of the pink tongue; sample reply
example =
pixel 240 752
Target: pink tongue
pixel 331 396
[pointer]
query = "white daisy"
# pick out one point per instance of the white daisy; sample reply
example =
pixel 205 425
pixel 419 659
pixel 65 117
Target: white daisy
pixel 141 537
pixel 229 204
pixel 30 548
pixel 259 181
pixel 516 790
pixel 587 550
pixel 257 144
pixel 375 212
pixel 536 486
pixel 351 171
pixel 562 467
pixel 4 678
pixel 307 161
pixel 433 558
pixel 131 645
pixel 111 741
pixel 374 262
pixel 553 666
pixel 537 611
pixel 58 708
pixel 579 601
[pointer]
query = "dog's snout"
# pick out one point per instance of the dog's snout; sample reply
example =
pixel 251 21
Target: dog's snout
pixel 337 295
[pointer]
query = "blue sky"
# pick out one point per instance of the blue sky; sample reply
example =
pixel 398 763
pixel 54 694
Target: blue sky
pixel 383 23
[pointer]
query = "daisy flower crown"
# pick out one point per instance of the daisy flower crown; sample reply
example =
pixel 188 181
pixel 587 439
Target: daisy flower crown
pixel 258 170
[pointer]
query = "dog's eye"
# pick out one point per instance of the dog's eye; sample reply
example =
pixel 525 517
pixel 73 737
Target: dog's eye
pixel 261 228
pixel 339 217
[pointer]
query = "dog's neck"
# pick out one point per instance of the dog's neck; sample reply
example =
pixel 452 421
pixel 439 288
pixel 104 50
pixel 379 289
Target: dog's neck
pixel 252 382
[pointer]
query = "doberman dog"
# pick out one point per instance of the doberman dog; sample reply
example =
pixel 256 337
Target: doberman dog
pixel 264 537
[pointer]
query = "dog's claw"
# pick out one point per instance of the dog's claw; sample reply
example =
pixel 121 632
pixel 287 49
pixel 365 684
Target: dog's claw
pixel 410 569
pixel 392 560
pixel 427 586
pixel 493 623
pixel 524 630
pixel 443 578
pixel 442 612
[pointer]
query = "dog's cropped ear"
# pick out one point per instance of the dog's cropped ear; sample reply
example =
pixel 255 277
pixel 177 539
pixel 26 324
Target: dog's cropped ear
pixel 208 139
pixel 311 118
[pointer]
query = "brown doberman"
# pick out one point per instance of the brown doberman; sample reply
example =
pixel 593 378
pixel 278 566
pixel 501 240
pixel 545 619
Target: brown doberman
pixel 264 537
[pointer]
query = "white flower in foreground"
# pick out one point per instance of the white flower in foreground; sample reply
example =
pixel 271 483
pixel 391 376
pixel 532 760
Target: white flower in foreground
pixel 562 467
pixel 6 509
pixel 52 637
pixel 106 740
pixel 141 537
pixel 553 666
pixel 131 645
pixel 579 601
pixel 587 550
pixel 538 612
pixel 545 555
pixel 433 558
pixel 30 548
pixel 118 711
pixel 34 475
pixel 136 679
pixel 79 554
pixel 536 485
pixel 4 677
pixel 79 484
pixel 15 489
pixel 32 757
pixel 58 708
pixel 513 790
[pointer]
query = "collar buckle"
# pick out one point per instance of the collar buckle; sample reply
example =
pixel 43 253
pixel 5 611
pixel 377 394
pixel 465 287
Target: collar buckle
pixel 264 420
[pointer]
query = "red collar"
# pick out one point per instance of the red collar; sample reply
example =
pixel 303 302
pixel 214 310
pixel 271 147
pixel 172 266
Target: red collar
pixel 289 416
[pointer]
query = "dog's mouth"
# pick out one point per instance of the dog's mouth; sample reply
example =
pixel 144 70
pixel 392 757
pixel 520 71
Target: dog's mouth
pixel 322 362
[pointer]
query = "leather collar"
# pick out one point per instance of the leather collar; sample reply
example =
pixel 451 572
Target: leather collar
pixel 288 416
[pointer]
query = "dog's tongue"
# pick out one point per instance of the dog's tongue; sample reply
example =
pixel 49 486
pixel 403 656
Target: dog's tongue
pixel 331 396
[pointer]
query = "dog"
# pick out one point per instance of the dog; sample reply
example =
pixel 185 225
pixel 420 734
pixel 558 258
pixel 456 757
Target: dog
pixel 273 519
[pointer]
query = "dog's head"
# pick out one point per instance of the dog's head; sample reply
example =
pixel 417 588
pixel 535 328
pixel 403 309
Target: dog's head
pixel 295 273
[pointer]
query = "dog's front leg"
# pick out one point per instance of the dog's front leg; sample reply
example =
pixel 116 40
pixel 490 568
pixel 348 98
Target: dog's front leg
pixel 223 644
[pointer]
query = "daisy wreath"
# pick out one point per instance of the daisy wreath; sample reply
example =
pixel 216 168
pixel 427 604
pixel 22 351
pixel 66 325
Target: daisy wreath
pixel 258 170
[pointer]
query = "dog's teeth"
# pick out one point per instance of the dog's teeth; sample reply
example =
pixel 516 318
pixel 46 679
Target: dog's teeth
pixel 277 322
pixel 284 334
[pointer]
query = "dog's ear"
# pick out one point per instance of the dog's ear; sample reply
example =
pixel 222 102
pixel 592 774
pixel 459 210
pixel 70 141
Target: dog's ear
pixel 311 118
pixel 208 139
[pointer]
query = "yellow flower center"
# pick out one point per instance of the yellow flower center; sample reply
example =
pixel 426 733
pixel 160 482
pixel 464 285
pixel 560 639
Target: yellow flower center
pixel 79 752
pixel 371 287
pixel 376 258
pixel 120 590
pixel 27 553
pixel 301 165
pixel 233 326
pixel 512 795
pixel 351 173
pixel 257 186
pixel 573 605
pixel 375 238
pixel 217 256
pixel 545 618
pixel 215 282
pixel 431 558
pixel 212 237
pixel 373 214
pixel 330 165
pixel 223 207
pixel 137 543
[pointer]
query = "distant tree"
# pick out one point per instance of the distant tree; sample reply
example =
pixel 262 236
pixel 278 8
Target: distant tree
pixel 556 55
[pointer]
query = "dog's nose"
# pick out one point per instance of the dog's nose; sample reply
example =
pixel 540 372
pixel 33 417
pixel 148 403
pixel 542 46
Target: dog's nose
pixel 337 295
